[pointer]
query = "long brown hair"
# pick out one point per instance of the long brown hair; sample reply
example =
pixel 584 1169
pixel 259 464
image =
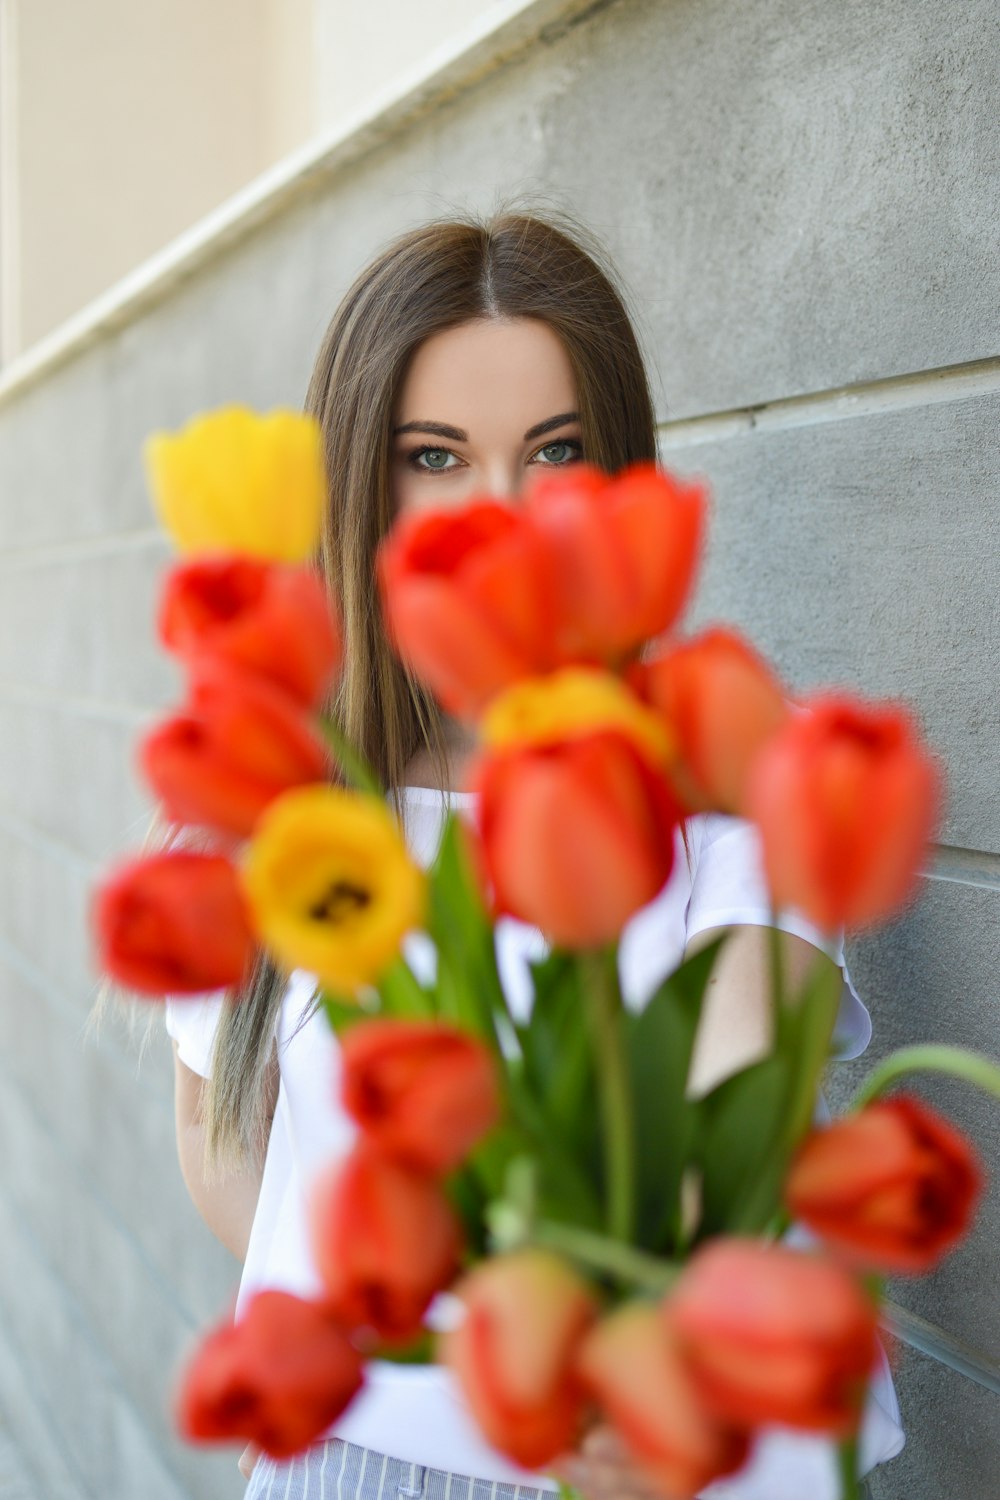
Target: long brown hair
pixel 506 264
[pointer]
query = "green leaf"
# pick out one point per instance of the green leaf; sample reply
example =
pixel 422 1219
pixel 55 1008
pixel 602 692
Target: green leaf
pixel 342 1013
pixel 469 988
pixel 468 1198
pixel 490 1159
pixel 558 1065
pixel 419 1352
pixel 740 1148
pixel 402 995
pixel 803 1033
pixel 660 1040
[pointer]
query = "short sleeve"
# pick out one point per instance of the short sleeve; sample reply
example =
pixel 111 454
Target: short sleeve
pixel 192 1021
pixel 728 887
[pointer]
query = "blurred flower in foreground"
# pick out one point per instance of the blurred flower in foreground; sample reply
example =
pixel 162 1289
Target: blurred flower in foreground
pixel 466 601
pixel 513 1353
pixel 574 838
pixel 576 818
pixel 774 1335
pixel 422 1091
pixel 576 701
pixel 846 798
pixel 722 704
pixel 621 553
pixel 279 1376
pixel 385 1239
pixel 174 923
pixel 893 1187
pixel 630 1363
pixel 236 479
pixel 274 619
pixel 331 884
pixel 239 744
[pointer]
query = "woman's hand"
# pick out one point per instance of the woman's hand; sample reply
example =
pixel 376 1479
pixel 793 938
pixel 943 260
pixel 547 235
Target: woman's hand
pixel 248 1458
pixel 601 1469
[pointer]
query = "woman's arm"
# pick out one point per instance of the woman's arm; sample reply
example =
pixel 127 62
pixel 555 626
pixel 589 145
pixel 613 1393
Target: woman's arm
pixel 735 1026
pixel 229 1204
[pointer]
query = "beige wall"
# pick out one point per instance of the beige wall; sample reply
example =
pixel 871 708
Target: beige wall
pixel 290 78
pixel 122 123
pixel 130 122
pixel 364 49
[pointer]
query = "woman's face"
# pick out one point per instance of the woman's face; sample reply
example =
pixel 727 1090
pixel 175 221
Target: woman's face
pixel 484 408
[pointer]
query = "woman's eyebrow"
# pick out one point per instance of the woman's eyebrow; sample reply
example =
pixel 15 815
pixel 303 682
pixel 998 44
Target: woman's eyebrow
pixel 442 429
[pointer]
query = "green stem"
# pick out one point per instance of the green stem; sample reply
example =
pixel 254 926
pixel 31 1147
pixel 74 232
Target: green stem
pixel 847 1462
pixel 601 1254
pixel 353 764
pixel 604 1003
pixel 930 1058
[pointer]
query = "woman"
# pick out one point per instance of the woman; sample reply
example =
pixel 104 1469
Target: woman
pixel 467 357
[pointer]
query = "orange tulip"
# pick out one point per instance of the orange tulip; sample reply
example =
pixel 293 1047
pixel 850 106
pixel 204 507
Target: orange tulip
pixel 466 600
pixel 774 1335
pixel 422 1091
pixel 892 1188
pixel 279 1376
pixel 630 1363
pixel 240 744
pixel 173 924
pixel 273 618
pixel 621 554
pixel 575 836
pixel 513 1353
pixel 385 1240
pixel 846 798
pixel 723 704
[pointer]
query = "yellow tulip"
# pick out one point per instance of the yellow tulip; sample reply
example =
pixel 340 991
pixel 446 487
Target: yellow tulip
pixel 234 480
pixel 331 885
pixel 576 701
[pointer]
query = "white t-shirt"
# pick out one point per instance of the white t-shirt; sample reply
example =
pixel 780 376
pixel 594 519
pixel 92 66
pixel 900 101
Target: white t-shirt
pixel 416 1412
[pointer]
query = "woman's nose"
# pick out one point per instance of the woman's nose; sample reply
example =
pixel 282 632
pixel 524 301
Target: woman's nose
pixel 510 484
pixel 503 483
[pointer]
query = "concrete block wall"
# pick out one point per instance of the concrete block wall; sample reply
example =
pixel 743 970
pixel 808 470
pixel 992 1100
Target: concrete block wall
pixel 802 198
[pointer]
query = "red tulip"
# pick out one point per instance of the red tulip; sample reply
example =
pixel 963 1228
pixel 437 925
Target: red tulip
pixel 422 1091
pixel 846 798
pixel 174 923
pixel 384 1239
pixel 241 742
pixel 513 1353
pixel 576 835
pixel 630 1363
pixel 723 704
pixel 774 1335
pixel 892 1188
pixel 279 1376
pixel 621 554
pixel 466 600
pixel 273 618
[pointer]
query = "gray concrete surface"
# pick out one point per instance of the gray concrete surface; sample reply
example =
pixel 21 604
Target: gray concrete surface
pixel 802 197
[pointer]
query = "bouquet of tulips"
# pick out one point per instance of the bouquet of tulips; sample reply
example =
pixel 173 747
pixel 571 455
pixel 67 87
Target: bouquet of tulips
pixel 616 1244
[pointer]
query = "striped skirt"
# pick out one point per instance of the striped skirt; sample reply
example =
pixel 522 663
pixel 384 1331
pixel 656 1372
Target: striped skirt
pixel 334 1470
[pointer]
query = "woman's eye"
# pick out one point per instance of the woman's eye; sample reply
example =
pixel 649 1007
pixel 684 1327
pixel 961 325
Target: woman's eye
pixel 573 444
pixel 433 455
